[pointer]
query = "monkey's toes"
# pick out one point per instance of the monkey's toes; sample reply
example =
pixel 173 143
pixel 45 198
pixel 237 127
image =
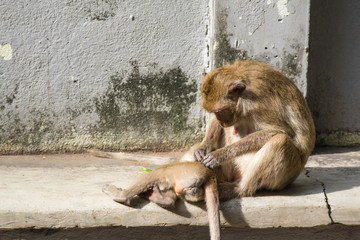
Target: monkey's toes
pixel 106 188
pixel 114 193
pixel 110 188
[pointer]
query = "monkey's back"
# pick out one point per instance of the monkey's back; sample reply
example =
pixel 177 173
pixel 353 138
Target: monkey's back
pixel 282 102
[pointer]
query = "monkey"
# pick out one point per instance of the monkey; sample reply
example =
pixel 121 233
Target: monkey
pixel 262 131
pixel 190 181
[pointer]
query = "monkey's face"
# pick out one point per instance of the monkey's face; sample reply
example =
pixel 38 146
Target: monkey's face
pixel 220 96
pixel 226 117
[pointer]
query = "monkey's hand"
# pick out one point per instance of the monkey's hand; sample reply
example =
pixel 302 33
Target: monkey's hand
pixel 201 153
pixel 210 160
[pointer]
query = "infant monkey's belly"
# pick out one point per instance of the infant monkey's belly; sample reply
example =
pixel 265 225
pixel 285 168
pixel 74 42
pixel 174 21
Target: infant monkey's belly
pixel 190 189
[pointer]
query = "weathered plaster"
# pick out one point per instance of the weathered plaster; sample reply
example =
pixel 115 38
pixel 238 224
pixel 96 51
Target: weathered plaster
pixel 148 105
pixel 224 53
pixel 99 10
pixel 266 31
pixel 139 110
pixel 281 6
pixel 338 138
pixel 68 78
pixel 64 55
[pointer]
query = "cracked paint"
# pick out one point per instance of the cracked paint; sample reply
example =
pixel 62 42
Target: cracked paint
pixel 281 6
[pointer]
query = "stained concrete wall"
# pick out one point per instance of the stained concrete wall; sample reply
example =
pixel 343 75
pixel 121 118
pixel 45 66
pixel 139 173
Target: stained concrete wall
pixel 123 75
pixel 334 76
pixel 275 32
pixel 100 73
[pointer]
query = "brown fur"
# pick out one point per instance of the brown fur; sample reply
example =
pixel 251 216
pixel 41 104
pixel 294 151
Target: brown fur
pixel 190 181
pixel 274 130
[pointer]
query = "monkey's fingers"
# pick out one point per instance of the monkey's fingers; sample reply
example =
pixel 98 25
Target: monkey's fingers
pixel 209 161
pixel 199 154
pixel 207 150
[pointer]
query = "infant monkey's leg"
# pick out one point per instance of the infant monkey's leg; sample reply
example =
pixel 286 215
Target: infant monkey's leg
pixel 165 198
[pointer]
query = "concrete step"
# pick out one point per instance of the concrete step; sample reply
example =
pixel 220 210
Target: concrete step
pixel 63 191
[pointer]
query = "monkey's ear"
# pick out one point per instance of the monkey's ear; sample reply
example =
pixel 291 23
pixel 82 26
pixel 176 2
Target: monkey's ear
pixel 237 86
pixel 203 75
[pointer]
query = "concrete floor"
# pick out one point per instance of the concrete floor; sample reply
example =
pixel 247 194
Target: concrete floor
pixel 331 232
pixel 59 197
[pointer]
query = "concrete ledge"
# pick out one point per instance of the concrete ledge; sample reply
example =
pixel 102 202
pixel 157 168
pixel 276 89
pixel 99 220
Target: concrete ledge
pixel 64 191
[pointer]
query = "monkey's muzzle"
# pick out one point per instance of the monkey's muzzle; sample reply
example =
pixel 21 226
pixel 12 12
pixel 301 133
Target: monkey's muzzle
pixel 225 116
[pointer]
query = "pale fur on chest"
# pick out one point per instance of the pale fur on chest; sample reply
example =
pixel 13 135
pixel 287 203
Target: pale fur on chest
pixel 232 135
pixel 236 132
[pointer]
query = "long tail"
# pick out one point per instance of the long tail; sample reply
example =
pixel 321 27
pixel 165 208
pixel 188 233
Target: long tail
pixel 212 203
pixel 147 159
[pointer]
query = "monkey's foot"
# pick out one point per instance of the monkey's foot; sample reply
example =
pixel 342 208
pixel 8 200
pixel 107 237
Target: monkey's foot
pixel 116 194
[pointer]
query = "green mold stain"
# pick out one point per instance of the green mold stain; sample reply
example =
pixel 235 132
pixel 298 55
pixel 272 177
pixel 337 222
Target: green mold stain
pixel 150 107
pixel 224 53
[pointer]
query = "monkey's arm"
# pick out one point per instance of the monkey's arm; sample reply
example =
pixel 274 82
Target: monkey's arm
pixel 210 140
pixel 250 143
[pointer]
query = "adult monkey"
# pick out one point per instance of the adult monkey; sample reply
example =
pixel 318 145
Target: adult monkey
pixel 262 133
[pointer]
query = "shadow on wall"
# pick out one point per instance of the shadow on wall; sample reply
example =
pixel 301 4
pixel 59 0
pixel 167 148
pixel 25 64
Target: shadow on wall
pixel 333 73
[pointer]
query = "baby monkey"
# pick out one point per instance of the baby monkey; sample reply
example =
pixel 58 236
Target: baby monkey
pixel 190 181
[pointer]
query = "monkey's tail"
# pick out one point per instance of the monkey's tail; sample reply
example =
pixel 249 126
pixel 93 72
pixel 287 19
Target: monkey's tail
pixel 212 204
pixel 147 159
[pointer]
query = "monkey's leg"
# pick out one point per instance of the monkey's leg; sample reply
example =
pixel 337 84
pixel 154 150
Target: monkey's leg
pixel 273 167
pixel 228 190
pixel 142 184
pixel 166 198
pixel 124 195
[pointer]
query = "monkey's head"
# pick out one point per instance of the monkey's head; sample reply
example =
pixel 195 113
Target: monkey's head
pixel 221 90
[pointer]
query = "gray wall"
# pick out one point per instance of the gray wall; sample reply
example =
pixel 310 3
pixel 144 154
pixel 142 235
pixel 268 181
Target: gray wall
pixel 275 32
pixel 334 71
pixel 100 73
pixel 124 75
